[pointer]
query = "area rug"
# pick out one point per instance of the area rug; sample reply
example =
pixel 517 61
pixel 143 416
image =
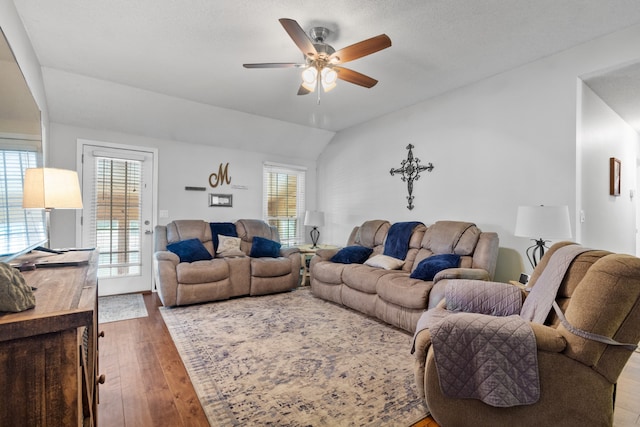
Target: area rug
pixel 113 308
pixel 291 359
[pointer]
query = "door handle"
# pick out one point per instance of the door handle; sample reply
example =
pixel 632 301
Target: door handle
pixel 148 232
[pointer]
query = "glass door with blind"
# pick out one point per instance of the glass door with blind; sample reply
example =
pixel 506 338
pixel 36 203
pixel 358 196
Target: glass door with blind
pixel 118 216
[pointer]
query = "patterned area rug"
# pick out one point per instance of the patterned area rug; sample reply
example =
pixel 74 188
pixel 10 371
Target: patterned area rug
pixel 113 308
pixel 291 359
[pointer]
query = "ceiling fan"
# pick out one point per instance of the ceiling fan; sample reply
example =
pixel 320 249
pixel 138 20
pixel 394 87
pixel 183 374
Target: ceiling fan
pixel 322 61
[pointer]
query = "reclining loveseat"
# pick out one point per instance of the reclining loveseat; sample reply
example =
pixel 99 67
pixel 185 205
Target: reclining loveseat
pixel 190 265
pixel 382 286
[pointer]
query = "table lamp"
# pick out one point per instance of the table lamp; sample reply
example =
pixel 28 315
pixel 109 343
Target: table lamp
pixel 536 222
pixel 48 189
pixel 314 219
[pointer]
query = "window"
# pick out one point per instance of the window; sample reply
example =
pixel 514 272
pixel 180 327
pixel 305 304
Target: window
pixel 283 204
pixel 19 228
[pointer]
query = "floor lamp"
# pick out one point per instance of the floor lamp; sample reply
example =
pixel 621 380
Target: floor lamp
pixel 314 219
pixel 540 223
pixel 48 189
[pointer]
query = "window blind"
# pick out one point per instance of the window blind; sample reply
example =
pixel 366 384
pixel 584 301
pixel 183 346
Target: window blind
pixel 284 200
pixel 19 228
pixel 115 215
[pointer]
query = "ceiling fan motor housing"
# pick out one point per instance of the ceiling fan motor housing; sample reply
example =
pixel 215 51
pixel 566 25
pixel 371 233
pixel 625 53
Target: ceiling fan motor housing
pixel 319 35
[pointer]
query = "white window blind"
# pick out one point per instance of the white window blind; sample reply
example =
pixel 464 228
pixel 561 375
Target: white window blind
pixel 19 228
pixel 283 200
pixel 115 215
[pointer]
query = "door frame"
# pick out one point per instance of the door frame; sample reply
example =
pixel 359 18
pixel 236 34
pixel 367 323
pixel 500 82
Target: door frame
pixel 80 143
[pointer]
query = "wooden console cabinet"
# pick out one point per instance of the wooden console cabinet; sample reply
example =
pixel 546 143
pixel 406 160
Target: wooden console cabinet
pixel 49 354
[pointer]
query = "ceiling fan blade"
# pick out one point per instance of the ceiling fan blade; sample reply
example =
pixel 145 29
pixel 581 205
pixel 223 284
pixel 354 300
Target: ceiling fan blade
pixel 360 49
pixel 355 77
pixel 275 65
pixel 303 90
pixel 299 37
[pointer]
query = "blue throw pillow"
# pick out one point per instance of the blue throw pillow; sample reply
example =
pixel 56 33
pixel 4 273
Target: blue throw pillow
pixel 352 255
pixel 429 267
pixel 190 250
pixel 261 247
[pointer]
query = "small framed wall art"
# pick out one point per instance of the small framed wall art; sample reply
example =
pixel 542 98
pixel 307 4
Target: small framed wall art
pixel 225 200
pixel 614 176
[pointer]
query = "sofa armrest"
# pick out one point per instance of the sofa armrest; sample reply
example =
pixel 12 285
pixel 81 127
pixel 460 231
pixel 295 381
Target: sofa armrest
pixel 422 345
pixel 326 254
pixel 462 273
pixel 167 256
pixel 548 339
pixel 166 276
pixel 288 251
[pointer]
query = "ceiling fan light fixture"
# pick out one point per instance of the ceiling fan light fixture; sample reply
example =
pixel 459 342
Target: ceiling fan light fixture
pixel 309 76
pixel 329 78
pixel 329 75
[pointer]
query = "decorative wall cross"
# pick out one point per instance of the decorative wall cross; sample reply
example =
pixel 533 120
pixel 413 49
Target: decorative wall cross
pixel 410 170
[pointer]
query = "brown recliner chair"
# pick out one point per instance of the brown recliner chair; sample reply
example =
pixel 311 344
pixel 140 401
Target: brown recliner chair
pixel 600 294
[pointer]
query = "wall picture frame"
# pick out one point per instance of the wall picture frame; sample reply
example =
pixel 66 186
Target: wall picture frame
pixel 614 176
pixel 223 200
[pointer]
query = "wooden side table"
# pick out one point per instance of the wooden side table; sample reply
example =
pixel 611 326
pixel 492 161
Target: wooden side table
pixel 306 253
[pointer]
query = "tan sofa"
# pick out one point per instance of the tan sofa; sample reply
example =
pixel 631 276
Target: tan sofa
pixel 599 294
pixel 392 295
pixel 181 283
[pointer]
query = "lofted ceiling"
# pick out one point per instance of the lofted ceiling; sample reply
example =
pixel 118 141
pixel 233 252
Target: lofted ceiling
pixel 173 69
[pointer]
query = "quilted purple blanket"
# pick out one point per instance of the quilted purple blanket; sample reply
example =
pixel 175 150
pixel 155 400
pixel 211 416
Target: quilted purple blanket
pixel 489 358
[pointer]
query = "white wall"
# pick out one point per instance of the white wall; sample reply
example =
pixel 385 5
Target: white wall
pixel 179 164
pixel 610 221
pixel 505 141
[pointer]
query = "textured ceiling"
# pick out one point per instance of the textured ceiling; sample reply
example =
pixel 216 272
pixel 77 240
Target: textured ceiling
pixel 620 89
pixel 141 66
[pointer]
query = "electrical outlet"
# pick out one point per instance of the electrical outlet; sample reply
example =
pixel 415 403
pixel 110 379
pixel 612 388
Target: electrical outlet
pixel 164 213
pixel 582 217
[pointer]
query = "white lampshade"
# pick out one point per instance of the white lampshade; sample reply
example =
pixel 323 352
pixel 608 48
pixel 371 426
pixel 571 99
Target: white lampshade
pixel 329 77
pixel 543 222
pixel 49 188
pixel 309 76
pixel 314 218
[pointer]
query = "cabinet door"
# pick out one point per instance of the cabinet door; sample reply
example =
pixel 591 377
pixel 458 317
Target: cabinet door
pixel 41 380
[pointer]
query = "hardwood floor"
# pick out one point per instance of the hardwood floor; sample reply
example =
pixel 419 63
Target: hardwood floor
pixel 147 384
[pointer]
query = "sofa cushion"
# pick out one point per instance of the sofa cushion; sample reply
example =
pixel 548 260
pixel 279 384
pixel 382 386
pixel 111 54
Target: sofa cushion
pixel 362 277
pixel 183 229
pixel 190 250
pixel 401 290
pixel 429 267
pixel 372 233
pixel 197 272
pixel 328 272
pixel 352 255
pixel 451 237
pixel 384 261
pixel 261 247
pixel 270 267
